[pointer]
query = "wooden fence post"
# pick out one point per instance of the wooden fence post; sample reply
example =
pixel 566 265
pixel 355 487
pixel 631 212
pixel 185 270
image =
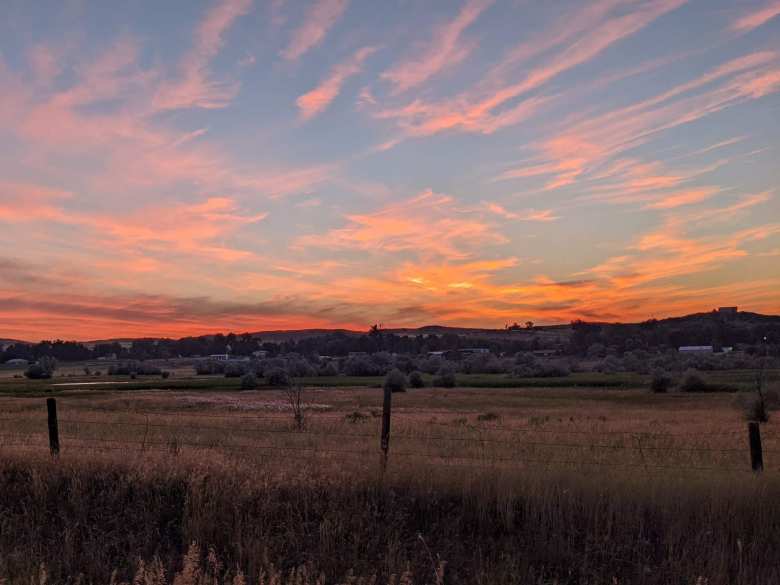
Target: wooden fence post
pixel 385 443
pixel 54 433
pixel 756 453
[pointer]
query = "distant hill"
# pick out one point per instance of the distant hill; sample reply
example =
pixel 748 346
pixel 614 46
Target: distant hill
pixel 742 320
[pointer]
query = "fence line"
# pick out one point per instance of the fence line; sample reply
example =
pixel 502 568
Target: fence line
pixel 74 438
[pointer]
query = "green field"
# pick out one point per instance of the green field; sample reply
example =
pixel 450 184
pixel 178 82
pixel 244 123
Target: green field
pixel 72 379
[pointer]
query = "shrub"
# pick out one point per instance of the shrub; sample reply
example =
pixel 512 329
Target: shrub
pixel 693 381
pixel 236 369
pixel 431 365
pixel 133 367
pixel 395 381
pixel 165 375
pixel 660 382
pixel 360 365
pixel 43 369
pixel 416 380
pixel 554 370
pixel 205 368
pixel 248 381
pixel 329 369
pixel 445 377
pixel 277 377
pixel 36 372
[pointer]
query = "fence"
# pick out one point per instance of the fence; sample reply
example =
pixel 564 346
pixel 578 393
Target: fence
pixel 507 445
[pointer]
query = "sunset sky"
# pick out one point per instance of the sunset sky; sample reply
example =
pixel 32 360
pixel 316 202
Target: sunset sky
pixel 178 168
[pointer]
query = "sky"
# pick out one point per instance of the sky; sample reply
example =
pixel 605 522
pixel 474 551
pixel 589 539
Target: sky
pixel 189 167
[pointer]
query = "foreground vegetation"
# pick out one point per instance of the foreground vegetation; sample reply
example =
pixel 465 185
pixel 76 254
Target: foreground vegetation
pixel 97 517
pixel 540 486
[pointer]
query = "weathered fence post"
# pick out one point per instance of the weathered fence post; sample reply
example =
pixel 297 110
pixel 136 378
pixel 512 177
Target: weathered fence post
pixel 385 443
pixel 756 453
pixel 54 433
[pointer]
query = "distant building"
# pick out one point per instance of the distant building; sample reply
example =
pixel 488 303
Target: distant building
pixel 727 310
pixel 16 362
pixel 219 357
pixel 695 349
pixel 436 353
pixel 260 354
pixel 474 350
pixel 703 349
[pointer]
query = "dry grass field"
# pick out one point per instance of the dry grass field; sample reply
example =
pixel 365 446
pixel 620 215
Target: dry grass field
pixel 482 486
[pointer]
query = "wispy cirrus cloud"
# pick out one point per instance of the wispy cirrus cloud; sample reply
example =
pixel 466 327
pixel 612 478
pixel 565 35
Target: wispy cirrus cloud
pixel 320 17
pixel 494 104
pixel 542 215
pixel 318 99
pixel 757 17
pixel 194 86
pixel 444 49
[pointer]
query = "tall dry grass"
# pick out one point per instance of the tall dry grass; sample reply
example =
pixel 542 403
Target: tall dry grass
pixel 268 504
pixel 94 516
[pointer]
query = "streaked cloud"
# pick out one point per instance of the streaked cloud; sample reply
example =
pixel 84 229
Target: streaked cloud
pixel 445 49
pixel 318 99
pixel 320 17
pixel 501 162
pixel 757 17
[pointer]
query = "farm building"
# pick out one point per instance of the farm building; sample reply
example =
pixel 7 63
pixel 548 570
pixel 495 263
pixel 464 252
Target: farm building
pixel 703 349
pixel 16 362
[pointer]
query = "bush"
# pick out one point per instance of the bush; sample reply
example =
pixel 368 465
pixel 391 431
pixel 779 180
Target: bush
pixel 277 377
pixel 445 377
pixel 360 365
pixel 236 369
pixel 165 375
pixel 693 381
pixel 43 369
pixel 395 381
pixel 36 372
pixel 133 367
pixel 660 382
pixel 554 370
pixel 416 380
pixel 205 368
pixel 329 369
pixel 248 381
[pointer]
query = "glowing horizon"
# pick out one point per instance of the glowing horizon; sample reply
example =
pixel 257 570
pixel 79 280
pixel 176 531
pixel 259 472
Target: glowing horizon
pixel 238 165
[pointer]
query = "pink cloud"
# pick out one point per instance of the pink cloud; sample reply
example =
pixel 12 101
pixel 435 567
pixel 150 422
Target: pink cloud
pixel 320 17
pixel 194 87
pixel 542 215
pixel 479 109
pixel 318 99
pixel 757 18
pixel 444 50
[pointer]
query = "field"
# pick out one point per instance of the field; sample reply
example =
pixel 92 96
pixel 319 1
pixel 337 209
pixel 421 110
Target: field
pixel 482 485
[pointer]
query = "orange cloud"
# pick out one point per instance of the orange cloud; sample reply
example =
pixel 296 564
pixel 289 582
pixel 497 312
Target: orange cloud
pixel 317 100
pixel 444 50
pixel 428 224
pixel 683 198
pixel 320 17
